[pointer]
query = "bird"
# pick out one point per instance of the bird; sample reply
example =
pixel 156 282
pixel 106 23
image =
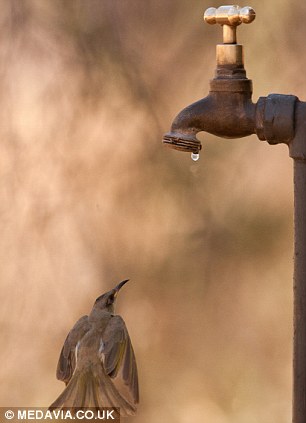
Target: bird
pixel 97 361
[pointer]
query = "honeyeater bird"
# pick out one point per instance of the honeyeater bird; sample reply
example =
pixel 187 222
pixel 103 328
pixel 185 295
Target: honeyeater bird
pixel 97 361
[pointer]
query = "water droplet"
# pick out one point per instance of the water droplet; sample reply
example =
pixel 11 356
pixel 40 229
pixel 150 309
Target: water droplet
pixel 195 156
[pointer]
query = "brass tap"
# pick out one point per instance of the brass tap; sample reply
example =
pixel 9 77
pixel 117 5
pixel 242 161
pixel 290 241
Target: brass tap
pixel 228 111
pixel 229 53
pixel 229 99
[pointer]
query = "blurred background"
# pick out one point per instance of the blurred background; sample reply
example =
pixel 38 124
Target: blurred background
pixel 89 196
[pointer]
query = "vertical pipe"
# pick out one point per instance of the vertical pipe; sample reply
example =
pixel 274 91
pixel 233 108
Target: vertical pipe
pixel 299 342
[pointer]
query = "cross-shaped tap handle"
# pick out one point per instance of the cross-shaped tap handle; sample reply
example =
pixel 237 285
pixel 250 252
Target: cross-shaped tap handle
pixel 229 17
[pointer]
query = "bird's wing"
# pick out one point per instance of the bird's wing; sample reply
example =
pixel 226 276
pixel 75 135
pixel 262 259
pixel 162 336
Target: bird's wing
pixel 119 359
pixel 66 362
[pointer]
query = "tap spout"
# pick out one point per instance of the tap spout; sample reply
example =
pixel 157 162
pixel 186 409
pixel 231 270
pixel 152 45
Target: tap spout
pixel 227 112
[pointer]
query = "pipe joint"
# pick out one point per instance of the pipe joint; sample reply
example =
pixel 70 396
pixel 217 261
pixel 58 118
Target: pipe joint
pixel 275 118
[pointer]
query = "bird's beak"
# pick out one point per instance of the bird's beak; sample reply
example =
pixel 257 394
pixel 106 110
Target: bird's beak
pixel 119 286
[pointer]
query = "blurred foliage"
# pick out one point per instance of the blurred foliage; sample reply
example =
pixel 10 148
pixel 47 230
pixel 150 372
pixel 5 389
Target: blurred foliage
pixel 89 197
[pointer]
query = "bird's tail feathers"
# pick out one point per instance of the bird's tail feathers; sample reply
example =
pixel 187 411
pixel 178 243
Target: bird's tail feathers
pixel 92 388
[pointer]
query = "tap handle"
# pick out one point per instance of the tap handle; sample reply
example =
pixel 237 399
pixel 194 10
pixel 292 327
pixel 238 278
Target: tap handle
pixel 229 17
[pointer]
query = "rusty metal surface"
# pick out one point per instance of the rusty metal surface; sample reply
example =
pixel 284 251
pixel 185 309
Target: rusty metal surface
pixel 275 116
pixel 297 147
pixel 299 350
pixel 227 112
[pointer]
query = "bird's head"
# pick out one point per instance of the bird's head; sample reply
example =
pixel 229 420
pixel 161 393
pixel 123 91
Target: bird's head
pixel 107 301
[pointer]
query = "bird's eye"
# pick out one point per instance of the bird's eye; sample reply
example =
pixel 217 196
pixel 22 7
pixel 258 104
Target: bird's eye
pixel 110 300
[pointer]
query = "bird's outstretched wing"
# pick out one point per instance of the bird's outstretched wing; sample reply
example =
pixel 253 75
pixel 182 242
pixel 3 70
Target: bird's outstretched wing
pixel 66 362
pixel 119 359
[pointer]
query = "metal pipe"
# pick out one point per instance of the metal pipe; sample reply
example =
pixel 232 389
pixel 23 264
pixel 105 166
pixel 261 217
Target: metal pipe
pixel 298 152
pixel 299 315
